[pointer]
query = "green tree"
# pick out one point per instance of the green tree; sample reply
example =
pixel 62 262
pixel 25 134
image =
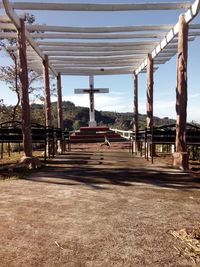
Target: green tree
pixel 10 74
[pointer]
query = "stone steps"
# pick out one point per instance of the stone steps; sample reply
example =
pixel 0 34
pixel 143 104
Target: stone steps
pixel 95 135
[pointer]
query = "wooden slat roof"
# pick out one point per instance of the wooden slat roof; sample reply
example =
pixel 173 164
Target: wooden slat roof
pixel 98 50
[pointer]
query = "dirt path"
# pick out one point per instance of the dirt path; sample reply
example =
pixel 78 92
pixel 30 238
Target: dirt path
pixel 97 209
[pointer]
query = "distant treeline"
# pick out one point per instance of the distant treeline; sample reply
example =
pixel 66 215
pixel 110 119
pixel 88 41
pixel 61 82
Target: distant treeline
pixel 75 117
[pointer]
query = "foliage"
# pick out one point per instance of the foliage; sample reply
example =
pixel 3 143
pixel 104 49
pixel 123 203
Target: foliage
pixel 10 74
pixel 76 116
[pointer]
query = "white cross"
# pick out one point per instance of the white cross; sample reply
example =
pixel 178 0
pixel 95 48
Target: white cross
pixel 91 91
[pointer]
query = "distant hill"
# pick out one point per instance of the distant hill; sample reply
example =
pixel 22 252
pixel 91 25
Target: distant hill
pixel 75 117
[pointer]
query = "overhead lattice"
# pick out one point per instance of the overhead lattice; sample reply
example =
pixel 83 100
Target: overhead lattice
pixel 97 50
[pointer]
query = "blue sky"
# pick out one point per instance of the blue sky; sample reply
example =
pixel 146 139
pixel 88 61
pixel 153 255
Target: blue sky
pixel 120 97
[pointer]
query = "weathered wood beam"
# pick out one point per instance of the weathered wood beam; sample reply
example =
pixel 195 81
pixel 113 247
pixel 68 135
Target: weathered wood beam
pixel 47 92
pixel 98 59
pixel 99 7
pixel 137 53
pixel 130 64
pixel 4 19
pixel 107 59
pixel 12 35
pixel 98 70
pixel 53 45
pixel 6 26
pixel 16 21
pixel 135 108
pixel 98 36
pixel 149 91
pixel 138 49
pixel 92 71
pixel 189 16
pixel 59 102
pixel 181 157
pixel 23 75
pixel 107 29
pixel 150 83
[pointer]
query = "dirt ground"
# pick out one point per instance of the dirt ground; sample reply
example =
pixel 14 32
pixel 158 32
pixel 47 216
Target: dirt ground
pixel 98 208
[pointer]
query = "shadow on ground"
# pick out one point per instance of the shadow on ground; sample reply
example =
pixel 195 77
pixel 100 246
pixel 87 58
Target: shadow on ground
pixel 100 169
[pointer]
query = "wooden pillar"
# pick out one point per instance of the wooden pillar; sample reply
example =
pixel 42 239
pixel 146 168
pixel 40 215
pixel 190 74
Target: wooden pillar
pixel 60 143
pixel 150 99
pixel 23 75
pixel 48 120
pixel 59 102
pixel 135 110
pixel 181 156
pixel 149 92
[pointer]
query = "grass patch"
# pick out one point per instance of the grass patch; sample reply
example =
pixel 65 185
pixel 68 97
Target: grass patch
pixel 15 157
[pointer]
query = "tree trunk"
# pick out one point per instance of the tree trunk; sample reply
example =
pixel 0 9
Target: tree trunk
pixel 23 75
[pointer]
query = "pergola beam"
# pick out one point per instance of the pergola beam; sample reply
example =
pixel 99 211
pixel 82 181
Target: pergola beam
pixel 97 36
pixel 150 37
pixel 16 21
pixel 99 7
pixel 5 24
pixel 4 19
pixel 92 71
pixel 108 29
pixel 189 15
pixel 52 45
pixel 137 53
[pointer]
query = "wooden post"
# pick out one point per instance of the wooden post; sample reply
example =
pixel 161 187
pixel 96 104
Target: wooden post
pixel 181 156
pixel 150 99
pixel 59 102
pixel 149 92
pixel 48 121
pixel 135 111
pixel 23 75
pixel 47 92
pixel 60 143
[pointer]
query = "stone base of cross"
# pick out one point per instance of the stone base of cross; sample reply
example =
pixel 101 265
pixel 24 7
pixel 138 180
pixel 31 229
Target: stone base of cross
pixel 91 91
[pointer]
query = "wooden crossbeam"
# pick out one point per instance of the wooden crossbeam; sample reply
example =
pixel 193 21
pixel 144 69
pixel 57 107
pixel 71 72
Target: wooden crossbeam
pixel 100 7
pixel 48 45
pixel 92 71
pixel 102 59
pixel 106 49
pixel 132 65
pixel 16 21
pixel 107 29
pixel 13 35
pixel 66 55
pixel 97 36
pixel 189 16
pixel 4 19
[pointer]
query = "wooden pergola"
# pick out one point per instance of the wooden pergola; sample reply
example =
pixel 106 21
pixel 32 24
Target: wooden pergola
pixel 110 50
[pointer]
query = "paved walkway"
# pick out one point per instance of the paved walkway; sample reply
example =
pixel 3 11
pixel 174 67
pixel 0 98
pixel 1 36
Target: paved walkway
pixel 97 209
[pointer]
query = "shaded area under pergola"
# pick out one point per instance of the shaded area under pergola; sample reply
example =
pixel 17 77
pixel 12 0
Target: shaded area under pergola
pixel 102 50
